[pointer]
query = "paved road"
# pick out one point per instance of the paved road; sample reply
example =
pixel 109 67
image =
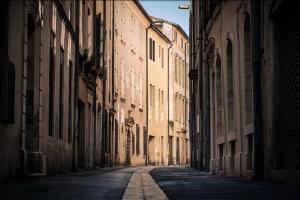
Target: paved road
pixel 186 183
pixel 98 184
pixel 135 183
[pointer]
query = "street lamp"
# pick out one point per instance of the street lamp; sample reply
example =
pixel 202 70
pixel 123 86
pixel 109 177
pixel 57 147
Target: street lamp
pixel 184 6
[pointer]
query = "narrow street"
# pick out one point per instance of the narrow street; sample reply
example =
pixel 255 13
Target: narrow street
pixel 137 183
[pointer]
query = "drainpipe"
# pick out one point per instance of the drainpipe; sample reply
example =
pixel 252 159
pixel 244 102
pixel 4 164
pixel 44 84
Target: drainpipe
pixel 185 84
pixel 200 85
pixel 147 99
pixel 104 88
pixel 113 84
pixel 240 93
pixel 169 48
pixel 258 157
pixel 76 88
pixel 95 92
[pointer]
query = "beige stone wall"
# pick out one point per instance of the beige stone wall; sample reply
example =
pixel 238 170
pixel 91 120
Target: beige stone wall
pixel 178 94
pixel 158 100
pixel 130 80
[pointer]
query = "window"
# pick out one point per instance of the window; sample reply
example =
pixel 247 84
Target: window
pixel 162 57
pixel 219 95
pixel 80 24
pixel 61 95
pixel 145 136
pixel 162 97
pixel 162 104
pixel 141 90
pixel 62 35
pixel 53 19
pixel 248 71
pixel 179 71
pixel 116 137
pixel 132 24
pixel 176 70
pixel 159 51
pixel 183 73
pixel 133 143
pixel 90 29
pixel 159 106
pixel 181 43
pixel 141 39
pixel 122 78
pixel 70 100
pixel 230 92
pixel 176 107
pixel 137 139
pixel 152 95
pixel 175 36
pixel 51 83
pixel 132 85
pixel 152 49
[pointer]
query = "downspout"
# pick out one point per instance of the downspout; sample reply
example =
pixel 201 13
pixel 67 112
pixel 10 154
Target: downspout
pixel 104 88
pixel 258 165
pixel 241 127
pixel 76 88
pixel 185 85
pixel 200 87
pixel 169 48
pixel 113 85
pixel 192 88
pixel 95 92
pixel 147 99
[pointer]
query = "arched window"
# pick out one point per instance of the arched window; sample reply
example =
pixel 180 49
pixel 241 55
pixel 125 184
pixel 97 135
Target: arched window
pixel 219 95
pixel 248 71
pixel 230 93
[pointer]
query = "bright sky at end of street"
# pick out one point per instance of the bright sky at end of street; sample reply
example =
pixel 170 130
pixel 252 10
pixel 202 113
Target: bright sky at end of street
pixel 168 10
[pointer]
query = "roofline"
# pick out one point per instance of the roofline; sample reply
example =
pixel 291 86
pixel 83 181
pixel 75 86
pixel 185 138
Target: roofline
pixel 171 23
pixel 141 8
pixel 149 18
pixel 161 34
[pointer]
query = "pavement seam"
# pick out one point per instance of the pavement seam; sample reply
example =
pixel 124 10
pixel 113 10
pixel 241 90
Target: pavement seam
pixel 131 174
pixel 142 186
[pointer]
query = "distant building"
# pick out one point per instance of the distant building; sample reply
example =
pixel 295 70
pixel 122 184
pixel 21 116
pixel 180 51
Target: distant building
pixel 129 82
pixel 158 45
pixel 178 92
pixel 244 88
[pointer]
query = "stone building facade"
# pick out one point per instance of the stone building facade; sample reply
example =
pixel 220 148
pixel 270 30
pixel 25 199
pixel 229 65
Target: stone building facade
pixel 75 85
pixel 129 68
pixel 178 92
pixel 158 45
pixel 243 88
pixel 37 87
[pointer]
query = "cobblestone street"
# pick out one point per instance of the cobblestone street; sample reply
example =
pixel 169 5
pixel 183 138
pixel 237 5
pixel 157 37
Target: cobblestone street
pixel 137 183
